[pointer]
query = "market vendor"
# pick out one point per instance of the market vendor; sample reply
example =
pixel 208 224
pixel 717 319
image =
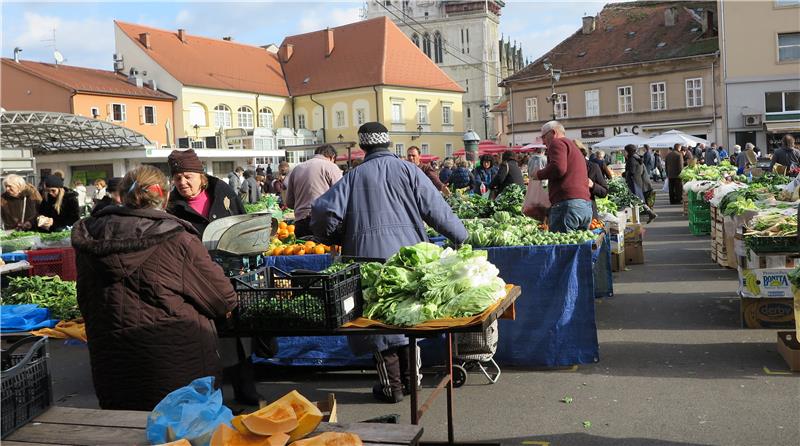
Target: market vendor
pixel 20 203
pixel 373 211
pixel 149 324
pixel 60 208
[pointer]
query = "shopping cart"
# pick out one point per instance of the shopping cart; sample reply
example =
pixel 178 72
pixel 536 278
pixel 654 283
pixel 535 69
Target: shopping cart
pixel 475 352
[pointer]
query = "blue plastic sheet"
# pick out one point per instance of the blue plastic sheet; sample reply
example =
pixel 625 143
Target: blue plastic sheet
pixel 24 317
pixel 603 278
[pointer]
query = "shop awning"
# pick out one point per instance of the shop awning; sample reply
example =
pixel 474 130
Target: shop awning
pixel 782 127
pixel 676 124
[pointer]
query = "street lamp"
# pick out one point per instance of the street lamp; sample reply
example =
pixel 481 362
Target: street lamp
pixel 419 133
pixel 555 75
pixel 196 131
pixel 485 107
pixel 340 137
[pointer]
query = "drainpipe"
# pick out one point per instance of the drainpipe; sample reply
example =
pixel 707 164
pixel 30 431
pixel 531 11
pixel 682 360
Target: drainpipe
pixel 511 113
pixel 324 137
pixel 377 105
pixel 714 98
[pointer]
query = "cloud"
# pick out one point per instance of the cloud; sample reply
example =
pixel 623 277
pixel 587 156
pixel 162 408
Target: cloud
pixel 536 44
pixel 82 41
pixel 317 19
pixel 184 17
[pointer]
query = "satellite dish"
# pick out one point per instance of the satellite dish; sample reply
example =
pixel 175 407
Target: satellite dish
pixel 58 56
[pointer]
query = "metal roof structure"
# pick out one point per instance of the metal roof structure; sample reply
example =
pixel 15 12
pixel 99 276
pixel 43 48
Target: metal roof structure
pixel 48 132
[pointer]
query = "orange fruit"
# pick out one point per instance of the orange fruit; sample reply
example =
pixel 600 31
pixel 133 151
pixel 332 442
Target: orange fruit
pixel 289 250
pixel 327 248
pixel 319 249
pixel 278 250
pixel 309 245
pixel 300 252
pixel 282 225
pixel 290 228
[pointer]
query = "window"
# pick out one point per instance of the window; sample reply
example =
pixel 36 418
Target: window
pixel 462 41
pixel 426 44
pixel 787 3
pixel 397 113
pixel 466 81
pixel 782 102
pixel 437 47
pixel 399 150
pixel 694 92
pixel 118 112
pixel 467 30
pixel 424 149
pixel 361 116
pixel 197 115
pixel 422 113
pixel 469 114
pixel 625 99
pixel 592 102
pixel 658 96
pixel 222 116
pixel 531 109
pixel 448 150
pixel 788 47
pixel 245 117
pixel 561 106
pixel 287 121
pixel 265 117
pixel 95 112
pixel 339 119
pixel 415 39
pixel 147 115
pixel 447 115
pixel 301 121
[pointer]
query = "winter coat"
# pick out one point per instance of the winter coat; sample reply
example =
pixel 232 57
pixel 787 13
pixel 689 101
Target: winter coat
pixel 649 161
pixel 224 203
pixel 636 177
pixel 102 204
pixel 461 178
pixel 148 292
pixel 377 208
pixel 673 164
pixel 507 174
pixel 600 187
pixel 444 174
pixel 234 181
pixel 70 211
pixel 13 207
pixel 787 157
pixel 483 176
pixel 711 157
pixel 250 190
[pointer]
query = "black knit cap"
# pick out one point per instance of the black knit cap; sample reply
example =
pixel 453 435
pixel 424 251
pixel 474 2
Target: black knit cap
pixel 53 181
pixel 373 135
pixel 184 161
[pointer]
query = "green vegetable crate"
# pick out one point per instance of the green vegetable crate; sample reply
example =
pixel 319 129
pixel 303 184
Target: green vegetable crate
pixel 772 244
pixel 271 299
pixel 700 228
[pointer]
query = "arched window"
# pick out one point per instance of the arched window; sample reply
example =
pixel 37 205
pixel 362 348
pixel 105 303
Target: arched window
pixel 245 117
pixel 426 44
pixel 265 117
pixel 222 116
pixel 415 39
pixel 437 47
pixel 197 115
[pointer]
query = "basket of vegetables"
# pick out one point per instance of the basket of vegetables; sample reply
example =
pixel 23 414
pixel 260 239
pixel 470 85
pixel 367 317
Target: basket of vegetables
pixel 18 240
pixel 773 232
pixel 59 239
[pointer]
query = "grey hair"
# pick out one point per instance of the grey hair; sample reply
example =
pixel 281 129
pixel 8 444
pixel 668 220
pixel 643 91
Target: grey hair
pixel 462 163
pixel 15 180
pixel 448 163
pixel 553 125
pixel 737 148
pixel 600 154
pixel 749 146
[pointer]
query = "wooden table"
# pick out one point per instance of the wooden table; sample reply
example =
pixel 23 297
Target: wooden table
pixel 72 426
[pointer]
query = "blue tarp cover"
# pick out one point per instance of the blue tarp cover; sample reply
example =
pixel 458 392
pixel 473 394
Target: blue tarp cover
pixel 24 317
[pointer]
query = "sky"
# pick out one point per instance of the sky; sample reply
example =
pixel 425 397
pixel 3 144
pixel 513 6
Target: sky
pixel 84 30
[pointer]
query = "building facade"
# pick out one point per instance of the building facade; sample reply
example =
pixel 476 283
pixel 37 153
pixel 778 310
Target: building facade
pixel 463 39
pixel 643 68
pixel 761 66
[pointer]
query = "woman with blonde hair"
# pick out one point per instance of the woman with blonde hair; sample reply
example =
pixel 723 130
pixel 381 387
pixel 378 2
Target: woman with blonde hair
pixel 19 203
pixel 60 208
pixel 149 323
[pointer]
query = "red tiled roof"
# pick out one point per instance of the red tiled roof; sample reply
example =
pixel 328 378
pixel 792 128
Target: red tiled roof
pixel 86 80
pixel 627 33
pixel 365 53
pixel 211 63
pixel 501 107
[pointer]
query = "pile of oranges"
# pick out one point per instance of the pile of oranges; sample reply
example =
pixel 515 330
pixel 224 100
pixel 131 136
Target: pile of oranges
pixel 299 249
pixel 596 224
pixel 285 231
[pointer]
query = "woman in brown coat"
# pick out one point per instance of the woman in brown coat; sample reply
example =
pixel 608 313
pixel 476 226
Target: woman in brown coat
pixel 19 204
pixel 148 291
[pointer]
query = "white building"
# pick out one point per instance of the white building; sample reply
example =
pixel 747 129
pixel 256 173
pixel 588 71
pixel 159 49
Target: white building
pixel 463 38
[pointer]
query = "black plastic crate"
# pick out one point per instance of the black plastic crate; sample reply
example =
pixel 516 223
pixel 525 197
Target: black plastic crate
pixel 26 388
pixel 271 299
pixel 234 265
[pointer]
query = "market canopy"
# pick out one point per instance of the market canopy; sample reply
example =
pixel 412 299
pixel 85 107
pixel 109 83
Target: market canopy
pixel 484 148
pixel 353 155
pixel 43 131
pixel 668 139
pixel 620 141
pixel 532 147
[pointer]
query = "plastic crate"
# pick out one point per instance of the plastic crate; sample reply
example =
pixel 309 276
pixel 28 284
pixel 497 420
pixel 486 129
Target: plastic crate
pixel 234 265
pixel 772 244
pixel 701 228
pixel 695 198
pixel 26 388
pixel 699 216
pixel 53 262
pixel 18 244
pixel 271 299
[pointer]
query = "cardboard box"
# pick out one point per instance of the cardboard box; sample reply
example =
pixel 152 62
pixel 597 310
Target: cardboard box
pixel 634 232
pixel 789 348
pixel 770 283
pixel 634 253
pixel 617 262
pixel 751 260
pixel 617 243
pixel 729 233
pixel 766 313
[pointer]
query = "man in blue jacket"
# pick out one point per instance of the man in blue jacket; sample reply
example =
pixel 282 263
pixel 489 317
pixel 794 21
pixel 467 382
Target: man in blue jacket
pixel 373 211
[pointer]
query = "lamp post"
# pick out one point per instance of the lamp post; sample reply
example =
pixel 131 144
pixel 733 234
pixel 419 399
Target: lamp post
pixel 419 133
pixel 485 107
pixel 340 137
pixel 196 131
pixel 555 75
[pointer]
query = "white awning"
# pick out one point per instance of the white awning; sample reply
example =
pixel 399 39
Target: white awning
pixel 782 127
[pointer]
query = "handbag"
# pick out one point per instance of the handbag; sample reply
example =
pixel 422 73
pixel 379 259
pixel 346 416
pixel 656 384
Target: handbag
pixel 537 201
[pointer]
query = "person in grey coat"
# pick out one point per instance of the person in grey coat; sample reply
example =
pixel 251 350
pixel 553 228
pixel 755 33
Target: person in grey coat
pixel 250 189
pixel 235 178
pixel 373 211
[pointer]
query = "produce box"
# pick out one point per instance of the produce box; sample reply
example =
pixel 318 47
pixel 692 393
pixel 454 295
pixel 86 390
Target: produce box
pixel 634 253
pixel 703 228
pixel 766 313
pixel 765 283
pixel 634 232
pixel 618 262
pixel 617 243
pixel 729 230
pixel 789 348
pixel 751 260
pixel 53 262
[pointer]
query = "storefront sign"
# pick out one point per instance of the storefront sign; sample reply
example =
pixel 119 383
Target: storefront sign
pixel 632 129
pixel 593 133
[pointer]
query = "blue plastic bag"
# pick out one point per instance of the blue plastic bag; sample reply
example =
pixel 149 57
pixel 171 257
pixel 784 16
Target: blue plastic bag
pixel 24 317
pixel 192 412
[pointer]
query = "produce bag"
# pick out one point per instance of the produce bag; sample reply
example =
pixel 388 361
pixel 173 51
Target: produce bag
pixel 537 201
pixel 192 412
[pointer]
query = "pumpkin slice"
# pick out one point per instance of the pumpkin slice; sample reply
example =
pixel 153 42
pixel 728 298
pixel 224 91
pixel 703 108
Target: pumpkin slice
pixel 227 436
pixel 181 442
pixel 308 415
pixel 278 440
pixel 330 439
pixel 277 418
pixel 238 425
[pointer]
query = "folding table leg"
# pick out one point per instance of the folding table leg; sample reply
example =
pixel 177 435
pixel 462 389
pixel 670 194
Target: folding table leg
pixel 450 430
pixel 412 372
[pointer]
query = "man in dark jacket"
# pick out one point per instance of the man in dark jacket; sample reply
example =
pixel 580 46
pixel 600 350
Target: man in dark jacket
pixel 373 211
pixel 235 178
pixel 571 206
pixel 787 156
pixel 250 190
pixel 112 198
pixel 674 165
pixel 508 174
pixel 413 156
pixel 598 186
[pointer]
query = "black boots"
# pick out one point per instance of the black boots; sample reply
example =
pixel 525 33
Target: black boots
pixel 242 379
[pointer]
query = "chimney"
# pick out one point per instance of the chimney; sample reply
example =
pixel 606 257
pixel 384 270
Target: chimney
pixel 670 16
pixel 589 23
pixel 17 50
pixel 285 52
pixel 144 38
pixel 708 23
pixel 227 38
pixel 182 35
pixel 152 84
pixel 328 42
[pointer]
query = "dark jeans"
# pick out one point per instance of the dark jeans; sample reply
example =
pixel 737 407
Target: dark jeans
pixel 675 191
pixel 570 215
pixel 302 227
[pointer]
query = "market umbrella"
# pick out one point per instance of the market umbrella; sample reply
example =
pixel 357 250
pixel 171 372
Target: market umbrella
pixel 354 154
pixel 620 141
pixel 485 147
pixel 427 158
pixel 529 147
pixel 672 137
